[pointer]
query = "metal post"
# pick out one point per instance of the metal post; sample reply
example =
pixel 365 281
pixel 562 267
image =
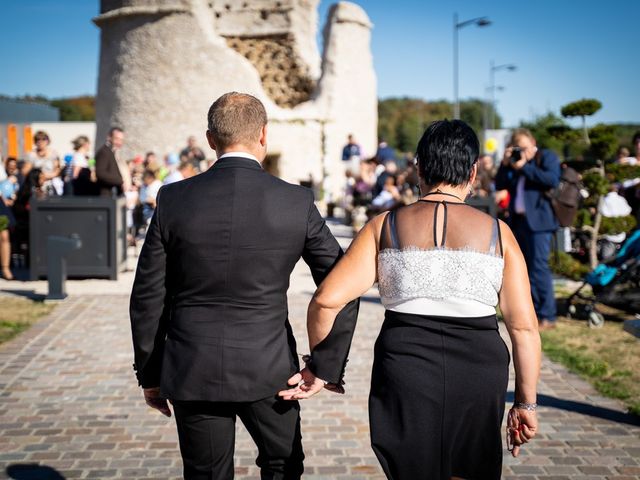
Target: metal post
pixel 456 102
pixel 492 83
pixel 57 249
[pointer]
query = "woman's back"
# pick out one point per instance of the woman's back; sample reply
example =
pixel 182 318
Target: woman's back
pixel 440 258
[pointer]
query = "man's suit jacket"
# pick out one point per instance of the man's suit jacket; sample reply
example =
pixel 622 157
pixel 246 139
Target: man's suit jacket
pixel 107 171
pixel 209 307
pixel 541 174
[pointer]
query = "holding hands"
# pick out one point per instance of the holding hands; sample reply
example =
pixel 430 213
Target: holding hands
pixel 305 385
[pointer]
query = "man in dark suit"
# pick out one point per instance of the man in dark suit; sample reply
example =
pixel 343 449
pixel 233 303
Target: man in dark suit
pixel 529 173
pixel 108 172
pixel 209 305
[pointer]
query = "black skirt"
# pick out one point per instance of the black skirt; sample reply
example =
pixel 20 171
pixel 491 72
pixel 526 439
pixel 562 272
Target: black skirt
pixel 438 397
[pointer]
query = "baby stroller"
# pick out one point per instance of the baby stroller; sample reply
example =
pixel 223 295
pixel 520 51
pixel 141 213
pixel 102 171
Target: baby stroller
pixel 615 282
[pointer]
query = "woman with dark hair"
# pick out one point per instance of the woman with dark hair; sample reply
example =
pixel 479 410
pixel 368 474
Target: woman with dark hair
pixel 440 368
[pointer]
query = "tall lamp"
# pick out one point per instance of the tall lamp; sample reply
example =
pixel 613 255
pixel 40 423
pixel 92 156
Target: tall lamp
pixel 480 22
pixel 492 85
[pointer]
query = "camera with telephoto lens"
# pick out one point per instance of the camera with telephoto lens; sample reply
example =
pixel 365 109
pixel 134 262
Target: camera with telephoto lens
pixel 516 154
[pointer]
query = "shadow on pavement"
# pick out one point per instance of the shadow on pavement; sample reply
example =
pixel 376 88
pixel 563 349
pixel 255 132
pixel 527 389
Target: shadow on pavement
pixel 584 409
pixel 30 294
pixel 33 471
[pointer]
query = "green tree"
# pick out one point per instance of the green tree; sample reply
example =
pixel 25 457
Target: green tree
pixel 604 141
pixel 68 111
pixel 401 121
pixel 582 108
pixel 76 109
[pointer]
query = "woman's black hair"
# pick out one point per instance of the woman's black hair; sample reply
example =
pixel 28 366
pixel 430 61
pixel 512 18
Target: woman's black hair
pixel 447 152
pixel 30 182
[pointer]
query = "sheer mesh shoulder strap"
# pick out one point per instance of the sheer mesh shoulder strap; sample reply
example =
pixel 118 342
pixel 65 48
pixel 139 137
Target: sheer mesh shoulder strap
pixel 393 230
pixel 389 233
pixel 444 224
pixel 496 239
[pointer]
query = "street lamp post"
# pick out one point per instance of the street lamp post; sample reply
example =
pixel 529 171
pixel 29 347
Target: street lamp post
pixel 492 85
pixel 480 22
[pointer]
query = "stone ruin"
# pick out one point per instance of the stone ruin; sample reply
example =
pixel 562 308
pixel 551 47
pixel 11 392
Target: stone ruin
pixel 163 62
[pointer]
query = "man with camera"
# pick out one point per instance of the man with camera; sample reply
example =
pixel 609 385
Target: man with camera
pixel 529 173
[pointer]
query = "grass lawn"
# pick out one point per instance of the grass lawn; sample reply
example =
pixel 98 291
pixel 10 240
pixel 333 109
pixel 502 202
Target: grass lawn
pixel 17 314
pixel 608 357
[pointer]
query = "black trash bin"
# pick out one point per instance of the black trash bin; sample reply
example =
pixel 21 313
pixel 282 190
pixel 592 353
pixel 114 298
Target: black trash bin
pixel 99 222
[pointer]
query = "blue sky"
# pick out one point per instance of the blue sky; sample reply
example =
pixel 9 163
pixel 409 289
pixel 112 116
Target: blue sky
pixel 564 50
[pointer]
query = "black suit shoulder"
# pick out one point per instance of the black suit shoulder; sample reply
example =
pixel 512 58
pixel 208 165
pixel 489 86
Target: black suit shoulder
pixel 295 193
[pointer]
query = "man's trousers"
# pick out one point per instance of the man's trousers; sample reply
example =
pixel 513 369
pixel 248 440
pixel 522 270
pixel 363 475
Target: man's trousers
pixel 207 437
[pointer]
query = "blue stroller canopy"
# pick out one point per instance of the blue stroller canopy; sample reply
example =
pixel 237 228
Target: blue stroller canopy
pixel 604 273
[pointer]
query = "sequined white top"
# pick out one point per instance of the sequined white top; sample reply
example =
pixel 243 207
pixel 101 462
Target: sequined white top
pixel 439 281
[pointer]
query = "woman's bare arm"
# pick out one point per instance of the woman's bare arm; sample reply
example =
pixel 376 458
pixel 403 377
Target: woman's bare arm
pixel 520 319
pixel 354 274
pixel 522 324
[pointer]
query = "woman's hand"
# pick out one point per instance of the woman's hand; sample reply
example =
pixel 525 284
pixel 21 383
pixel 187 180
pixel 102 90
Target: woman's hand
pixel 522 426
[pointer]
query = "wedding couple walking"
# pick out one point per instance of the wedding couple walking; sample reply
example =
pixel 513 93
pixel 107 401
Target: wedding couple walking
pixel 212 336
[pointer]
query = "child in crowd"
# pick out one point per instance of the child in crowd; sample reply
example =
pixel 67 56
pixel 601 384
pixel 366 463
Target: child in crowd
pixel 148 193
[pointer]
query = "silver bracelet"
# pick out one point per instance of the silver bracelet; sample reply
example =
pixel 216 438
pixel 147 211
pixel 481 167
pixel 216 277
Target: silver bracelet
pixel 530 407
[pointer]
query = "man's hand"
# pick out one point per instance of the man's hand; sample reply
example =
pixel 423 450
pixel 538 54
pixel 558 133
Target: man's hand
pixel 307 385
pixel 525 156
pixel 520 163
pixel 154 400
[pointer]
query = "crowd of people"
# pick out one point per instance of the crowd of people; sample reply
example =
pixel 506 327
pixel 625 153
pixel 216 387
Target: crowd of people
pixel 373 184
pixel 515 187
pixel 44 173
pixel 384 181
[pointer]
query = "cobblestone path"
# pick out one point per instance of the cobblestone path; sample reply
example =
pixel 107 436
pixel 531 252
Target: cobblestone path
pixel 70 408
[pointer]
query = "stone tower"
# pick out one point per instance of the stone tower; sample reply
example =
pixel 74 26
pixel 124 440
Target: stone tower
pixel 163 62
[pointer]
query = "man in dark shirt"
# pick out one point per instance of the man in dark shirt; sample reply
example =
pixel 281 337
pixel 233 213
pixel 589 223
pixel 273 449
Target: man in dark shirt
pixel 528 173
pixel 108 172
pixel 192 153
pixel 209 313
pixel 351 149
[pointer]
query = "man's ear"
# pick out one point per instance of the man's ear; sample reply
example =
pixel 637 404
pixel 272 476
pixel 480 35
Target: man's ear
pixel 263 135
pixel 212 143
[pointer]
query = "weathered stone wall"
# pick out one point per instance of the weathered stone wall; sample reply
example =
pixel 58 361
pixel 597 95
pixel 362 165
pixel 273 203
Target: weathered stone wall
pixel 284 77
pixel 260 18
pixel 347 89
pixel 162 63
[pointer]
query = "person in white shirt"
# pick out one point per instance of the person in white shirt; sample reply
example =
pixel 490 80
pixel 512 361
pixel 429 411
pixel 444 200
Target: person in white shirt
pixel 185 170
pixel 614 205
pixel 148 193
pixel 389 196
